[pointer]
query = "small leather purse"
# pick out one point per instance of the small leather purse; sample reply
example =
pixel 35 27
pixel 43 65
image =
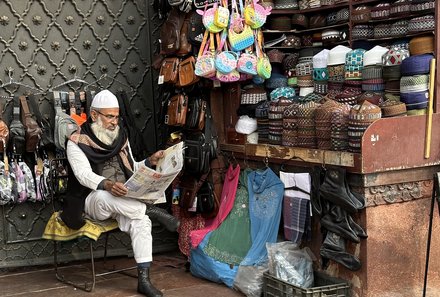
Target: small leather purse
pixel 169 70
pixel 187 74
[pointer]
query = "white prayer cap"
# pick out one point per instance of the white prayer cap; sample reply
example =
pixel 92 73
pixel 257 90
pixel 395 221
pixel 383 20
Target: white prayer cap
pixel 105 99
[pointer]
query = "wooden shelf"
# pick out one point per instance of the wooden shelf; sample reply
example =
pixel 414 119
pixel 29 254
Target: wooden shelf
pixel 322 8
pixel 313 46
pixel 307 155
pixel 308 30
pixel 398 37
pixel 410 15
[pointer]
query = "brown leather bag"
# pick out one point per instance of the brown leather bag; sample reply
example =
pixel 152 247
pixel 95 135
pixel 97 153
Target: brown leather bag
pixel 177 109
pixel 185 47
pixel 4 131
pixel 169 70
pixel 33 131
pixel 187 75
pixel 170 32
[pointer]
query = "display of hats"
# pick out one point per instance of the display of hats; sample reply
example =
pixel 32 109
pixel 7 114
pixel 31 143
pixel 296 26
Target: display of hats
pixel 317 21
pixel 275 56
pixel 320 59
pixel 391 72
pixel 252 94
pixel 320 87
pixel 262 109
pixel 317 39
pixel 305 81
pixel 421 45
pixel 414 83
pixel 393 108
pixel 267 4
pixel 300 21
pixel 380 11
pixel 422 5
pixel 337 54
pixel 374 56
pixel 361 14
pixel 399 28
pixel 394 56
pixel 382 31
pixel 375 85
pixel 286 4
pixel 314 3
pixel 246 125
pixel 290 61
pixel 389 96
pixel 330 36
pixel 305 91
pixel 400 7
pixel 280 23
pixel 360 117
pixel 304 68
pixel 355 58
pixel 327 2
pixel 343 34
pixel 373 97
pixel 306 40
pixel 331 18
pixel 362 32
pixel 348 96
pixel 323 123
pixel 392 87
pixel 286 92
pixel 423 23
pixel 336 73
pixel 339 127
pixel 276 80
pixel 401 43
pixel 292 41
pixel 342 15
pixel 372 72
pixel 306 124
pixel 303 4
pixel 311 97
pixel 415 100
pixel 414 65
pixel 290 128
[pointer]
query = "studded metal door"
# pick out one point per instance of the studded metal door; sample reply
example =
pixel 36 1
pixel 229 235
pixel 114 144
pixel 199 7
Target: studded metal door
pixel 44 43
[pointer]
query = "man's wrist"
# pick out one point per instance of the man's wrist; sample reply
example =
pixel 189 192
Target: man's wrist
pixel 108 184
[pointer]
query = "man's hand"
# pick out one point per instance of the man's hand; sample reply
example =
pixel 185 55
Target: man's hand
pixel 154 158
pixel 116 188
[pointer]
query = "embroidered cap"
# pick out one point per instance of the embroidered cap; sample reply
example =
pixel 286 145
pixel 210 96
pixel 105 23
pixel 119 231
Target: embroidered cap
pixel 105 99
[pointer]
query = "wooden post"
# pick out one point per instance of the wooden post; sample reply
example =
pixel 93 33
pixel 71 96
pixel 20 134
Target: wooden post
pixel 430 107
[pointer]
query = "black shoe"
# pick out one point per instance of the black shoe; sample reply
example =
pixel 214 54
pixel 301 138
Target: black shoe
pixel 335 189
pixel 337 222
pixel 163 217
pixel 356 228
pixel 333 248
pixel 145 286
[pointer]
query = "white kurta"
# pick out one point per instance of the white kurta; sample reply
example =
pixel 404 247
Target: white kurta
pixel 102 205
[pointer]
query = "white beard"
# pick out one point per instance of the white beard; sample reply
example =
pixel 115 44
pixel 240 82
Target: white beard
pixel 106 136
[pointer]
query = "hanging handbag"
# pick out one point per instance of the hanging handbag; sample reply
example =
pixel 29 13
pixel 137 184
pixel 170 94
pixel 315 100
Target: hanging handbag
pixel 221 17
pixel 247 63
pixel 205 64
pixel 33 131
pixel 208 19
pixel 242 40
pixel 197 153
pixel 169 70
pixel 225 61
pixel 4 131
pixel 6 182
pixel 187 75
pixel 17 131
pixel 177 108
pixel 170 32
pixel 264 68
pixel 185 47
pixel 255 15
pixel 207 201
pixel 232 76
pixel 193 113
pixel 196 29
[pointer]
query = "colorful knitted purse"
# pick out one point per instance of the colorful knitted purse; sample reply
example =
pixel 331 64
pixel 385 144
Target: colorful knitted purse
pixel 232 76
pixel 221 17
pixel 242 40
pixel 208 19
pixel 225 61
pixel 255 15
pixel 205 64
pixel 264 69
pixel 247 63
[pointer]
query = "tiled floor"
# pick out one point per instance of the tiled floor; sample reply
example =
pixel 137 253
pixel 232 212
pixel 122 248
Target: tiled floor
pixel 168 274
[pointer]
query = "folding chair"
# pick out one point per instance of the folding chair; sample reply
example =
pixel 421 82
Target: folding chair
pixel 58 232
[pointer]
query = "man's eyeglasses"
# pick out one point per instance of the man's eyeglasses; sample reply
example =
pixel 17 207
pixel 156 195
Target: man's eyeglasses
pixel 109 117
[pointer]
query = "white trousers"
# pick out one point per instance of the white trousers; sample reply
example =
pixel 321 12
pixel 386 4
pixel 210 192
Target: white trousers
pixel 130 215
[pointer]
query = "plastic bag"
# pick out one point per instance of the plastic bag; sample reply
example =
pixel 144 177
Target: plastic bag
pixel 249 280
pixel 291 264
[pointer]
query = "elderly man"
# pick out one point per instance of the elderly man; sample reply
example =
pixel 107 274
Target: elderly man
pixel 101 161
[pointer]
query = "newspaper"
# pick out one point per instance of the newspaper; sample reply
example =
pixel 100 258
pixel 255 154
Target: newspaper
pixel 148 184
